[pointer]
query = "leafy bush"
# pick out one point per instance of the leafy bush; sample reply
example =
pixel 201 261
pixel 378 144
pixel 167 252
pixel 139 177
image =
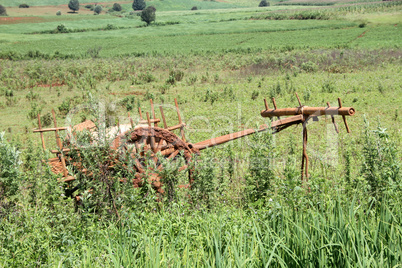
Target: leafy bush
pixel 175 75
pixel 89 6
pixel 148 15
pixel 46 119
pixel 35 110
pixel 3 11
pixel 255 94
pixel 9 168
pixel 97 10
pixel 74 5
pixel 128 102
pixel 139 4
pixel 58 13
pixel 194 8
pixel 116 7
pixel 64 107
pixel 23 6
pixel 61 29
pixel 264 3
pixel 380 167
pixel 261 176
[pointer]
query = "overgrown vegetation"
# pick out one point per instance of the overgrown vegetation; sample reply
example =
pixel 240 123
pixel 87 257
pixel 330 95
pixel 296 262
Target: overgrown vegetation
pixel 247 206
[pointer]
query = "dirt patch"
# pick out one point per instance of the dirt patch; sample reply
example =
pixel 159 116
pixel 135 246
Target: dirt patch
pixel 360 36
pixel 15 20
pixel 87 124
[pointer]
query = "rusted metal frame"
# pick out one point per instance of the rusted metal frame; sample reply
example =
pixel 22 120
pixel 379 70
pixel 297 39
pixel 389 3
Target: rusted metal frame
pixel 333 120
pixel 180 122
pixel 176 127
pixel 275 125
pixel 152 137
pixel 152 120
pixel 60 145
pixel 223 139
pixel 298 99
pixel 140 113
pixel 305 160
pixel 159 145
pixel 153 113
pixel 49 129
pixel 163 117
pixel 275 107
pixel 343 116
pixel 41 133
pixel 131 120
pixel 305 110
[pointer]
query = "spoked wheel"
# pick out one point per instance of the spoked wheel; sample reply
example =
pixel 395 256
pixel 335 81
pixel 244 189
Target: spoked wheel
pixel 145 146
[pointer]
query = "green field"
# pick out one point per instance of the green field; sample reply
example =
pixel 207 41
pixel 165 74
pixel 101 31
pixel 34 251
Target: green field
pixel 248 206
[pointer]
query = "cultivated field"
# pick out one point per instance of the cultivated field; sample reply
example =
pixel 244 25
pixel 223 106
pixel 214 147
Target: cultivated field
pixel 248 206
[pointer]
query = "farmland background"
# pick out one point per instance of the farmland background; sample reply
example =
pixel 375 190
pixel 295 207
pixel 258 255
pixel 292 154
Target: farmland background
pixel 248 207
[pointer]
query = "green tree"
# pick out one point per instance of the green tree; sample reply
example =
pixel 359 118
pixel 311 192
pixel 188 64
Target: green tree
pixel 139 4
pixel 97 10
pixel 148 15
pixel 264 3
pixel 116 7
pixel 3 11
pixel 74 5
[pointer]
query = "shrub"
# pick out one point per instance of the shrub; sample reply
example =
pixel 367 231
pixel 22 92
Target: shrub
pixel 148 15
pixel 89 6
pixel 46 119
pixel 261 176
pixel 3 11
pixel 117 7
pixel 177 75
pixel 254 94
pixel 139 4
pixel 9 168
pixel 61 29
pixel 194 8
pixel 23 6
pixel 381 167
pixel 97 10
pixel 58 13
pixel 264 3
pixel 74 5
pixel 35 110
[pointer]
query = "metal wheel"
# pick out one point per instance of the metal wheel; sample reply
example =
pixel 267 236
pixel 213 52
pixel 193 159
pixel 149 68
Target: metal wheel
pixel 145 144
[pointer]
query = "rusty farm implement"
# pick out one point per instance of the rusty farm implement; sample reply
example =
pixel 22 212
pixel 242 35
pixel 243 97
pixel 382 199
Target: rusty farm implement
pixel 152 139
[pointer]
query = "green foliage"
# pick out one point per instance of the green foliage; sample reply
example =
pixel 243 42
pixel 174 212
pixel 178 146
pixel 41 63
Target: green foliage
pixel 97 10
pixel 128 102
pixel 23 6
pixel 3 11
pixel 9 168
pixel 194 8
pixel 380 167
pixel 74 5
pixel 261 176
pixel 202 189
pixel 148 15
pixel 35 110
pixel 139 5
pixel 61 29
pixel 58 13
pixel 65 106
pixel 116 7
pixel 255 94
pixel 264 3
